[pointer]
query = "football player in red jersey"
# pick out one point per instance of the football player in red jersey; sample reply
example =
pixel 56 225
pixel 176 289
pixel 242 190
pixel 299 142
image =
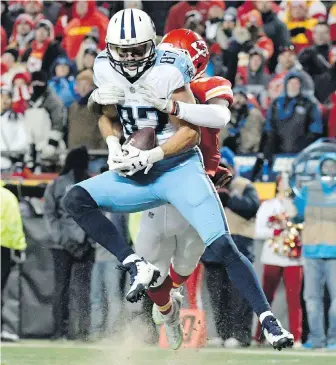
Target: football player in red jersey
pixel 165 238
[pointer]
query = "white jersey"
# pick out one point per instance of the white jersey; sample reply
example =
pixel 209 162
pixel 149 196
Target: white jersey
pixel 171 71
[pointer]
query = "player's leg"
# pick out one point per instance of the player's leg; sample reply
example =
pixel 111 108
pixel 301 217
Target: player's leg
pixel 270 281
pixel 198 202
pixel 109 191
pixel 153 243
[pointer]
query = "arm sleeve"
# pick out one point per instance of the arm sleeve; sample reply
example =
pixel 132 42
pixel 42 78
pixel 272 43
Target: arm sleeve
pixel 246 205
pixel 262 230
pixel 212 116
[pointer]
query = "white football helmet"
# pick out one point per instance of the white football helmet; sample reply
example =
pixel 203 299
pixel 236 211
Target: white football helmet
pixel 130 42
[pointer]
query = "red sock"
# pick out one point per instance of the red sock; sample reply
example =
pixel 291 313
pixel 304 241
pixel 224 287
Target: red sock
pixel 194 286
pixel 161 295
pixel 177 279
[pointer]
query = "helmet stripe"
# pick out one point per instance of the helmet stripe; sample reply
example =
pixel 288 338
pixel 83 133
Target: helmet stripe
pixel 122 30
pixel 133 34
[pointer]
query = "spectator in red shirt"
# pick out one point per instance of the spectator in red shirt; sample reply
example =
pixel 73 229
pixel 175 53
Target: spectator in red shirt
pixel 21 94
pixel 253 23
pixel 251 5
pixel 86 18
pixel 177 13
pixel 64 18
pixel 43 50
pixel 3 39
pixel 23 33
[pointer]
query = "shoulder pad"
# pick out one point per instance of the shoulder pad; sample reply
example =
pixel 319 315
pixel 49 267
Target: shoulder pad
pixel 177 59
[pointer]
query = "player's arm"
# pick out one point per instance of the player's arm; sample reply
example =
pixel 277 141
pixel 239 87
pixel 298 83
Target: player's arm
pixel 187 135
pixel 214 114
pixel 111 130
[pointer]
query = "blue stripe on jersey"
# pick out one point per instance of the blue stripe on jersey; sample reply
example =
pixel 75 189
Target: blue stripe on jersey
pixel 133 34
pixel 122 30
pixel 177 59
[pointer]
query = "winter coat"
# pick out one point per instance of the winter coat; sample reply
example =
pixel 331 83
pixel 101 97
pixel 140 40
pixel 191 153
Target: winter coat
pixel 12 235
pixel 41 59
pixel 14 136
pixel 45 119
pixel 64 87
pixel 78 27
pixel 326 85
pixel 292 123
pixel 243 133
pixel 64 231
pixel 277 31
pixel 83 126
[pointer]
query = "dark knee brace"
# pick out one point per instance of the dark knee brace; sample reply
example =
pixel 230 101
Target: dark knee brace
pixel 86 213
pixel 78 201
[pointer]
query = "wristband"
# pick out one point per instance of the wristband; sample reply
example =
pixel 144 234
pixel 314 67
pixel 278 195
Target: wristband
pixel 112 141
pixel 156 154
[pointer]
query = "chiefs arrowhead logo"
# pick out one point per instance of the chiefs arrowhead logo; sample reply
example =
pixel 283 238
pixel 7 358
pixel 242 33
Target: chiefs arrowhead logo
pixel 201 48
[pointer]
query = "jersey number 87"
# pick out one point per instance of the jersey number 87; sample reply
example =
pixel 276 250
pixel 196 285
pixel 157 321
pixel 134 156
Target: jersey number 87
pixel 134 118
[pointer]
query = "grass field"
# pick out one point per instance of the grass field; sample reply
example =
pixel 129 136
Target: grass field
pixel 71 353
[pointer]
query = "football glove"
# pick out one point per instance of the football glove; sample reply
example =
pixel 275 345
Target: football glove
pixel 114 148
pixel 108 94
pixel 135 160
pixel 168 106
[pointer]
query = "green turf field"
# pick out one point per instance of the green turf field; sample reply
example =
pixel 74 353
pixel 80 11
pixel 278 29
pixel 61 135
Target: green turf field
pixel 69 353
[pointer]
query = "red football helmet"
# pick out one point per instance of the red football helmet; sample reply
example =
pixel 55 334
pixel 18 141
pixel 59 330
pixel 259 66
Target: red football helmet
pixel 192 44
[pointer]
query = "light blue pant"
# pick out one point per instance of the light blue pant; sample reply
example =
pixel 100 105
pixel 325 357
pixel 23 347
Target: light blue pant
pixel 317 273
pixel 105 284
pixel 179 180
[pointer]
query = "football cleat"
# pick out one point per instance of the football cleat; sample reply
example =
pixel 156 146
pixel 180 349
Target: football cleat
pixel 143 275
pixel 275 334
pixel 172 321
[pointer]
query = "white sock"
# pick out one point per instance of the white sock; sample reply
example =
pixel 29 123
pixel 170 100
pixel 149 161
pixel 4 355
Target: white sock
pixel 131 258
pixel 264 315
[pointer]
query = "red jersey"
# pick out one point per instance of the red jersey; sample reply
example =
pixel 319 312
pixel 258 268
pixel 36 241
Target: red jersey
pixel 204 89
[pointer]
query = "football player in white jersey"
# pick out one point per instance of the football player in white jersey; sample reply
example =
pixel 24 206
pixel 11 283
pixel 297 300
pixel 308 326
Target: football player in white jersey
pixel 172 172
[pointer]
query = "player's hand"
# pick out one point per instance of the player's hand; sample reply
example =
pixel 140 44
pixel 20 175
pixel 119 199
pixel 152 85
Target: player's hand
pixel 135 160
pixel 114 148
pixel 108 94
pixel 168 106
pixel 132 161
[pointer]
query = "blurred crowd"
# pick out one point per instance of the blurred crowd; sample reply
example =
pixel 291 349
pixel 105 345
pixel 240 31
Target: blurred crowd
pixel 279 56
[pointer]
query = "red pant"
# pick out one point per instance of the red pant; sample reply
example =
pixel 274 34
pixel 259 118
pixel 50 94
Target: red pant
pixel 292 276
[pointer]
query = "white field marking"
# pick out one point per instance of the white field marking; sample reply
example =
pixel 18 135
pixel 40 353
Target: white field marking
pixel 107 345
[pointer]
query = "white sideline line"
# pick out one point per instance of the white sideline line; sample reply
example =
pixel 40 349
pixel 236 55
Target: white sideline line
pixel 252 351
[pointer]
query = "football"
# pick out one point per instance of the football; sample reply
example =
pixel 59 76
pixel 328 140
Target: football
pixel 144 139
